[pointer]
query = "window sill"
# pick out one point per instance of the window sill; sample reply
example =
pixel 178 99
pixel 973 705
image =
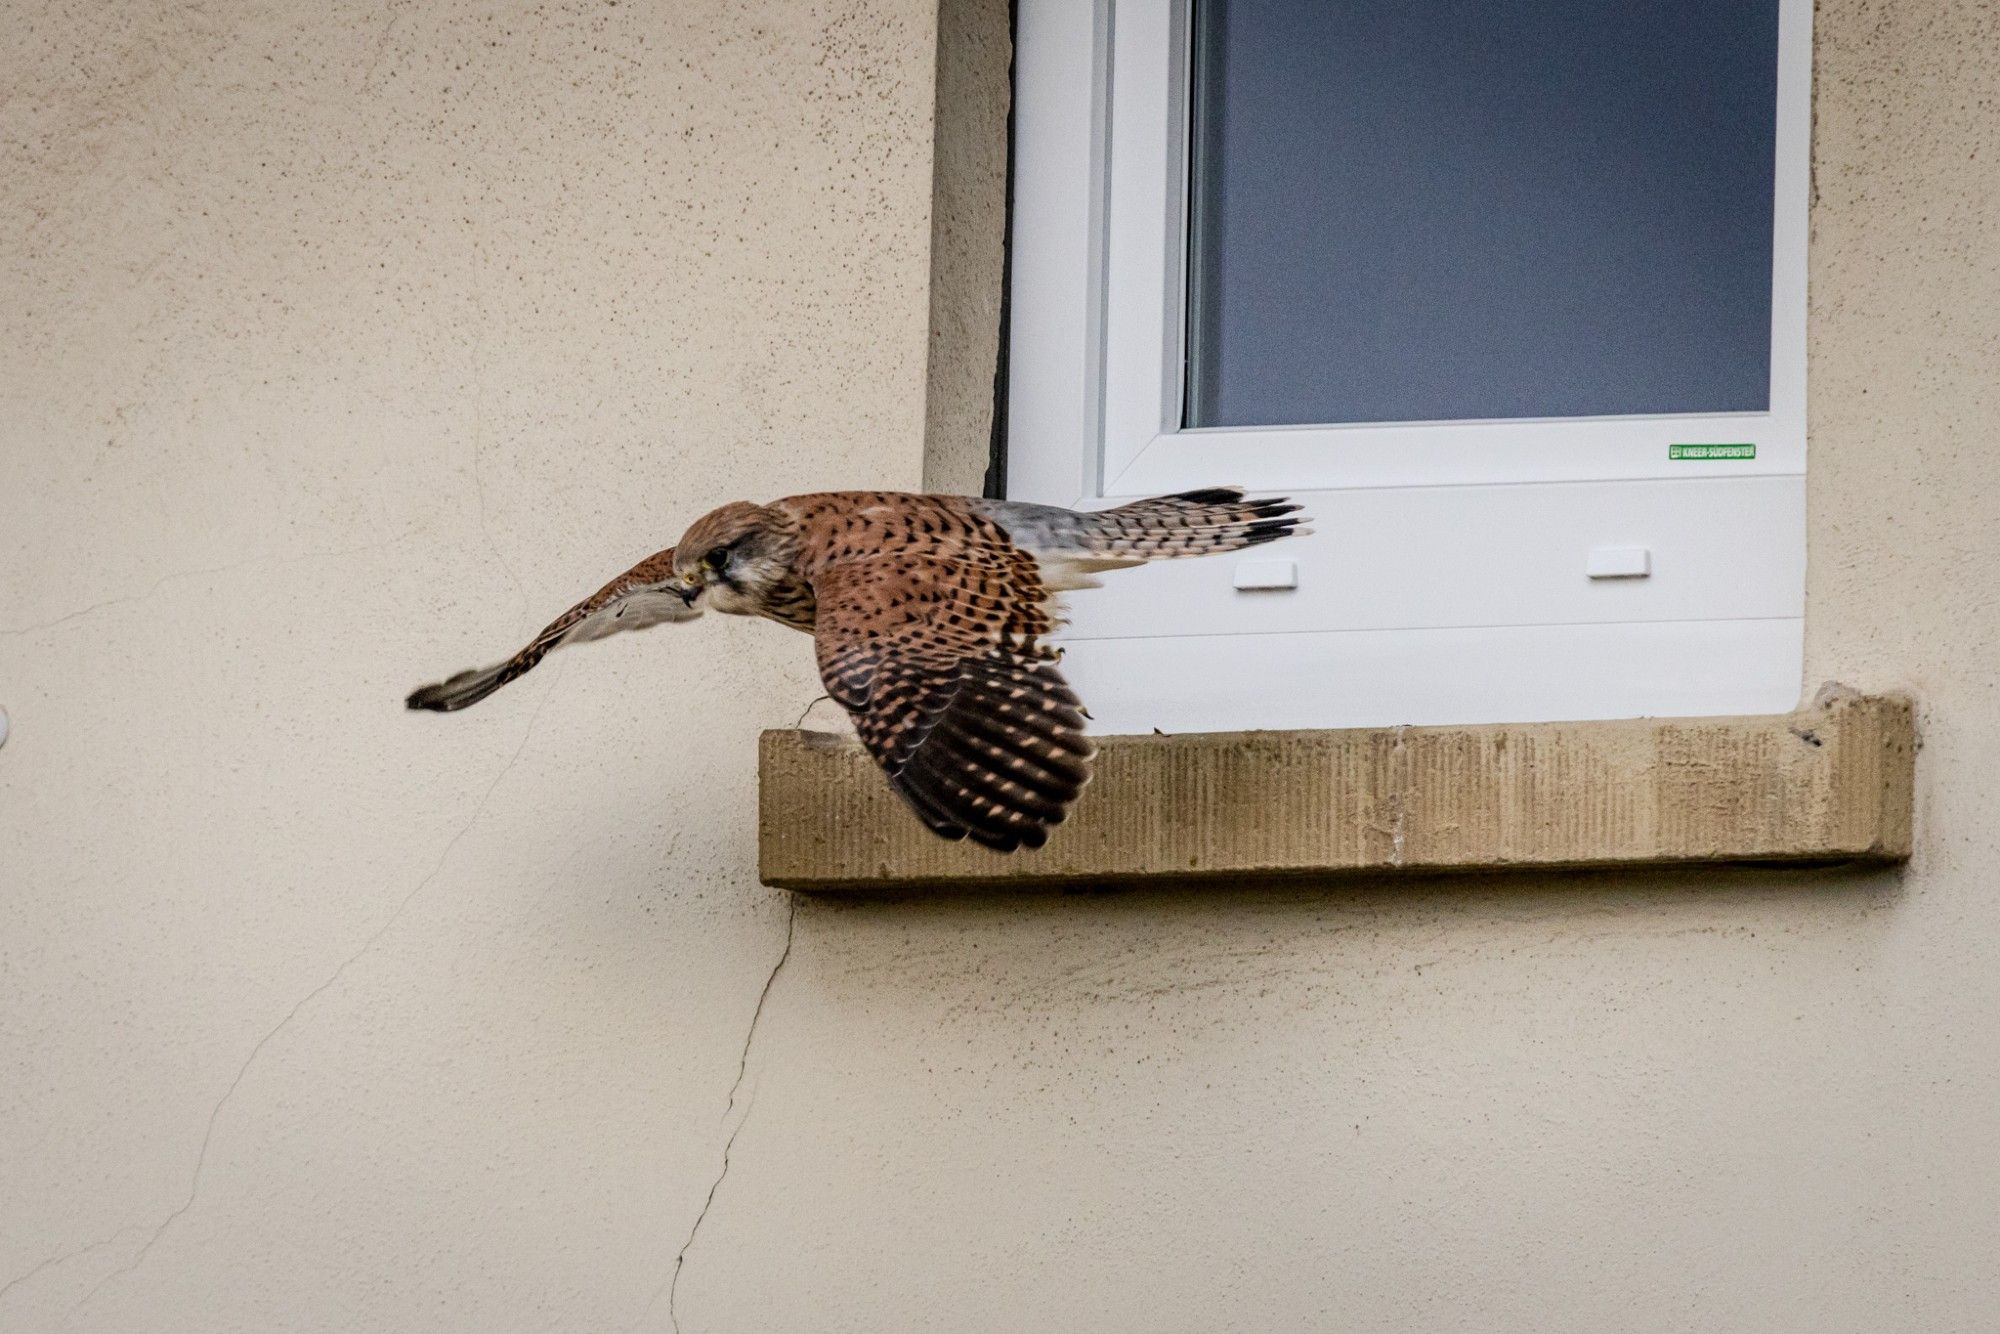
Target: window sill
pixel 1832 782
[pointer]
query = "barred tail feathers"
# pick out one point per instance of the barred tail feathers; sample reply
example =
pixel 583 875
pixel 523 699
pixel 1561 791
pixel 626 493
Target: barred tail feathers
pixel 1194 523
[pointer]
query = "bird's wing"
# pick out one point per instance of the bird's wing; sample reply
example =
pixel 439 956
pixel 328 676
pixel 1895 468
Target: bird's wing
pixel 634 600
pixel 939 660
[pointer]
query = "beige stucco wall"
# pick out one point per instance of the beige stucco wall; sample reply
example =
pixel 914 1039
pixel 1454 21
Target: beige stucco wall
pixel 340 343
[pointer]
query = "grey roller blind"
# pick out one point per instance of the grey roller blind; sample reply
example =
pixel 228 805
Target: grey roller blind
pixel 1407 210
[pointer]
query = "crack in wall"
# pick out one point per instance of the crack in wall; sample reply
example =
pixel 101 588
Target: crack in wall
pixel 64 1257
pixel 478 354
pixel 381 50
pixel 670 1288
pixel 10 632
pixel 215 1115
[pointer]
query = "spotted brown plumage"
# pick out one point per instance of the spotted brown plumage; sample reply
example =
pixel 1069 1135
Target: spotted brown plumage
pixel 928 615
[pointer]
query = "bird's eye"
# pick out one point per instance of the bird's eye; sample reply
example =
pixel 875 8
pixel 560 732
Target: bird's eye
pixel 717 558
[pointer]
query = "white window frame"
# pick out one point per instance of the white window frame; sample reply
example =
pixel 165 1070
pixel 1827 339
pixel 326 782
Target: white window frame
pixel 1096 379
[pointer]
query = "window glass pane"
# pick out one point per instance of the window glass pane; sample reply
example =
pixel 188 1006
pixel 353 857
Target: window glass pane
pixel 1408 210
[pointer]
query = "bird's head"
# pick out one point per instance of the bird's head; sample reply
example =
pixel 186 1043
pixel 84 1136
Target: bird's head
pixel 735 556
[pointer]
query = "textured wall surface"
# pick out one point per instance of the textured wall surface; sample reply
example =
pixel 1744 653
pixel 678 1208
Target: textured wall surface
pixel 344 342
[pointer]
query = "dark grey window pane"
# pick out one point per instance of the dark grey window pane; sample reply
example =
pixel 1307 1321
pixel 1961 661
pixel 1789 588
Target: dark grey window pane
pixel 1408 210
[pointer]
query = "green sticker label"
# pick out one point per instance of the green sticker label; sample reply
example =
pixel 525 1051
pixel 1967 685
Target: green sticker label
pixel 1711 451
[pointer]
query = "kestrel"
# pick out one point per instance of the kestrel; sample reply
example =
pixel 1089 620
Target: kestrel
pixel 927 615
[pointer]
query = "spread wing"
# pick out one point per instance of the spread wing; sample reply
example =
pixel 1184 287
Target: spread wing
pixel 939 660
pixel 634 600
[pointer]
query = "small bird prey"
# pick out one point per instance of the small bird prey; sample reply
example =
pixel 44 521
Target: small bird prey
pixel 927 615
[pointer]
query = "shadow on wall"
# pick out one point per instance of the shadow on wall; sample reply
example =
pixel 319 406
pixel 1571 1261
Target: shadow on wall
pixel 1381 936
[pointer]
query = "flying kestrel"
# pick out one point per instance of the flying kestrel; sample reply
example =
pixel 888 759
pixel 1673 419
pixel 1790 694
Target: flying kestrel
pixel 927 615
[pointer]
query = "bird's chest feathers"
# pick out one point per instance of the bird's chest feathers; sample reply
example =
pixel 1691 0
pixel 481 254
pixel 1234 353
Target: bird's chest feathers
pixel 779 596
pixel 792 603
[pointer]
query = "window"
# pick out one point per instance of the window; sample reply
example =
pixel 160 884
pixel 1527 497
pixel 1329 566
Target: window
pixel 1511 295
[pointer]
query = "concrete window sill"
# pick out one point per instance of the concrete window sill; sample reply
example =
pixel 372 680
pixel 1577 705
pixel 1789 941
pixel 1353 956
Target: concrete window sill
pixel 1830 783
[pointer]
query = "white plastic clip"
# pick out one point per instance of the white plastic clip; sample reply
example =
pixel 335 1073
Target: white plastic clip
pixel 1619 563
pixel 1267 574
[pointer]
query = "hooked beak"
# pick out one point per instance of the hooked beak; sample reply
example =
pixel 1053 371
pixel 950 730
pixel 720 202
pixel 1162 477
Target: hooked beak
pixel 689 588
